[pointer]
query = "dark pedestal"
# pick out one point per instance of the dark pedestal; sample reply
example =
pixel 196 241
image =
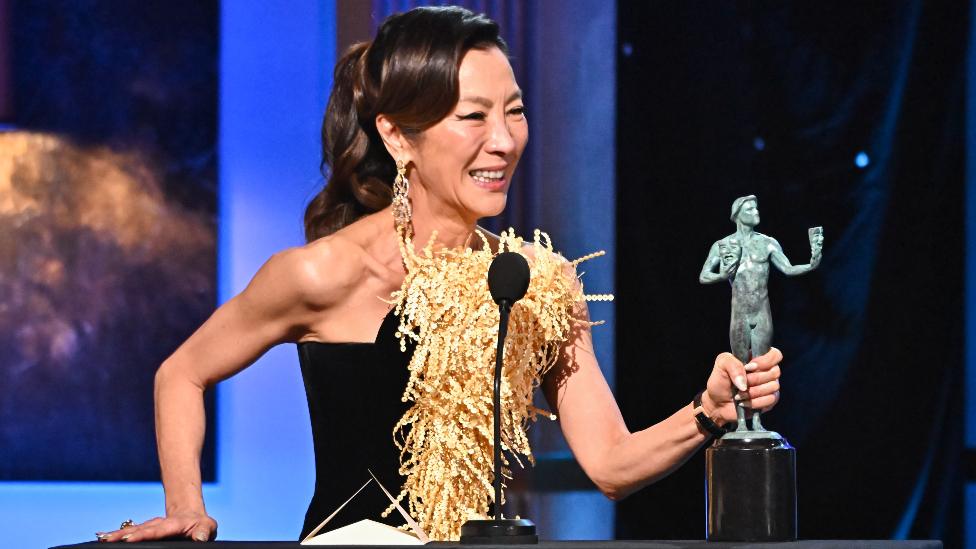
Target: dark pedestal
pixel 499 532
pixel 751 492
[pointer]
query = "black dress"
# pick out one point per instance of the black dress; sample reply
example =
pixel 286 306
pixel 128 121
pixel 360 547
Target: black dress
pixel 354 392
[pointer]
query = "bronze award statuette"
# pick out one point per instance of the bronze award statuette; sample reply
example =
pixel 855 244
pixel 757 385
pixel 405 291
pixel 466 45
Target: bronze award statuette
pixel 751 471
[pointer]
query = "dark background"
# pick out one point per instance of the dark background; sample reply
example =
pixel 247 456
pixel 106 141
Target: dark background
pixel 723 99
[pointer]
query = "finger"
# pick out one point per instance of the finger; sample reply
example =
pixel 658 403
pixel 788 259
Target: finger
pixel 205 531
pixel 734 369
pixel 156 530
pixel 760 377
pixel 116 535
pixel 767 407
pixel 768 360
pixel 764 403
pixel 758 391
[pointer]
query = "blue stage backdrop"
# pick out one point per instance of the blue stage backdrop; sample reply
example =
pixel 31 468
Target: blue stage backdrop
pixel 274 74
pixel 107 228
pixel 128 111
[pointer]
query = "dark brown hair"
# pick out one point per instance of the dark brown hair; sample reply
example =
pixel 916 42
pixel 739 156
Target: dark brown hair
pixel 409 72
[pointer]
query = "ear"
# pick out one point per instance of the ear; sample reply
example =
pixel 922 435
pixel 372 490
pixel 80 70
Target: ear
pixel 393 139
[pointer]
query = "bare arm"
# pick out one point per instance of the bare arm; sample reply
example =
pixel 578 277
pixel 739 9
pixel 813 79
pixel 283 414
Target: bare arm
pixel 620 462
pixel 781 262
pixel 276 306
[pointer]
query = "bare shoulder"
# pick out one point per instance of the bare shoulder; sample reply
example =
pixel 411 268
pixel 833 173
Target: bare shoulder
pixel 319 273
pixel 768 241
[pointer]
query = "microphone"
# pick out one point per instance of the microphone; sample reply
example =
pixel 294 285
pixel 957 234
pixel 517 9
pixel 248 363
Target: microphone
pixel 508 280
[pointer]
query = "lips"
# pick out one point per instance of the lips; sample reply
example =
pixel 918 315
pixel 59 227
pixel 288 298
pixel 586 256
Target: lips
pixel 488 179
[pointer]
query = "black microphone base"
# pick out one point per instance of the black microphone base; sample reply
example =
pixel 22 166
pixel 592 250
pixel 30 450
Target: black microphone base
pixel 498 532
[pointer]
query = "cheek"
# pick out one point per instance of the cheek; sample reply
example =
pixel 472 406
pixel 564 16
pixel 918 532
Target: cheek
pixel 460 136
pixel 520 134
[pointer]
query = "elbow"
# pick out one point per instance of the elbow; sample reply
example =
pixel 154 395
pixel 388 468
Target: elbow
pixel 613 487
pixel 614 491
pixel 169 374
pixel 613 494
pixel 163 374
pixel 163 380
pixel 612 476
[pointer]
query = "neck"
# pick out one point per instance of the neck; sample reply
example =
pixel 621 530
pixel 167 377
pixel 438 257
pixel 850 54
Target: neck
pixel 454 228
pixel 742 230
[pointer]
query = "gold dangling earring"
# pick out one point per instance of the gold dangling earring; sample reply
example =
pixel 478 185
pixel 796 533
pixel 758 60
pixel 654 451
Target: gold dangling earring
pixel 401 199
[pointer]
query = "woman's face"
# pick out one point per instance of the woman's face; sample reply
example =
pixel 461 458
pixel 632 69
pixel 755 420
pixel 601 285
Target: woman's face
pixel 465 161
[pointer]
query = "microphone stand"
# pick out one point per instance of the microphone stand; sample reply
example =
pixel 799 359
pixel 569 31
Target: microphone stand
pixel 499 531
pixel 504 308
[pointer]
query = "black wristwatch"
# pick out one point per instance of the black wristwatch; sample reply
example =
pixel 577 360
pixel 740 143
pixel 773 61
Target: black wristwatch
pixel 706 422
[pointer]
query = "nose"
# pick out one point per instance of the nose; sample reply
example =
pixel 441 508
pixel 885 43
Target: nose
pixel 501 140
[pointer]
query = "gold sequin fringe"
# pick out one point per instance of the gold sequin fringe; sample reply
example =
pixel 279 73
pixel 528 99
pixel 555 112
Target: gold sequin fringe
pixel 445 437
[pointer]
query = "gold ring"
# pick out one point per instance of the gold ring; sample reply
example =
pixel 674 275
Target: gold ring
pixel 127 524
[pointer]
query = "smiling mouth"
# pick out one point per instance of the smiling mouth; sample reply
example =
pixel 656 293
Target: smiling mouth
pixel 489 179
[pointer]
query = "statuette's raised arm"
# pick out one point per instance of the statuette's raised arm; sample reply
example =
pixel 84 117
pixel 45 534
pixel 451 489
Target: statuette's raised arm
pixel 782 263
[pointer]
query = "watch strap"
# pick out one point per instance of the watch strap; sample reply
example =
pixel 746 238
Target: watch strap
pixel 704 421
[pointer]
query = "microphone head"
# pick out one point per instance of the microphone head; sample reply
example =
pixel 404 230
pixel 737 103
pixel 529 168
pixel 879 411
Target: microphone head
pixel 508 277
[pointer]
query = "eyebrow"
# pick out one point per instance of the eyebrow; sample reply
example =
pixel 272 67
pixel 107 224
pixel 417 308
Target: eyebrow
pixel 487 103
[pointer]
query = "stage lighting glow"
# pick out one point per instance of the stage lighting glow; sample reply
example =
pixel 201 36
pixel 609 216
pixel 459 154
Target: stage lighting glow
pixel 862 160
pixel 759 143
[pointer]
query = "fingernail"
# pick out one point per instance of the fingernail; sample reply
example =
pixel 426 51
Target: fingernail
pixel 740 382
pixel 751 366
pixel 127 536
pixel 200 536
pixel 101 536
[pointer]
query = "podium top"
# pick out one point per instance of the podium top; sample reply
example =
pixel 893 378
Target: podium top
pixel 616 544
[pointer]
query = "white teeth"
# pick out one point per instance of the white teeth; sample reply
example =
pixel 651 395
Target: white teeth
pixel 487 176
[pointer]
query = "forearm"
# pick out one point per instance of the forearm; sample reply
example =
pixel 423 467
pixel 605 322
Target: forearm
pixel 795 270
pixel 180 426
pixel 708 277
pixel 646 456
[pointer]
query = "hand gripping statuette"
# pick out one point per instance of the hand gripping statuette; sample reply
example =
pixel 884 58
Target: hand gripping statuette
pixel 751 470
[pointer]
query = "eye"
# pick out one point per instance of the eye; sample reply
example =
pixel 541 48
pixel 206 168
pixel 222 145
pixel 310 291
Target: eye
pixel 478 115
pixel 517 111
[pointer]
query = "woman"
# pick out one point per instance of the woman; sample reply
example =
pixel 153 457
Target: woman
pixel 423 131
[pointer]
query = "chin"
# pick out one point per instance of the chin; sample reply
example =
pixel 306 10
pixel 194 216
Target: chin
pixel 490 206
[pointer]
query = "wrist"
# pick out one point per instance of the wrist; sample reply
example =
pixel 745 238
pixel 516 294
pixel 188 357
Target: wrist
pixel 703 416
pixel 193 506
pixel 711 409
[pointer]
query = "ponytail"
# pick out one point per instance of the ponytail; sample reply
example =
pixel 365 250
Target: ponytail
pixel 353 157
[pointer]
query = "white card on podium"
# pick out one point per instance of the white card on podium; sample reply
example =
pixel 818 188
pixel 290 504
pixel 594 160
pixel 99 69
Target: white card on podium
pixel 364 532
pixel 368 532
